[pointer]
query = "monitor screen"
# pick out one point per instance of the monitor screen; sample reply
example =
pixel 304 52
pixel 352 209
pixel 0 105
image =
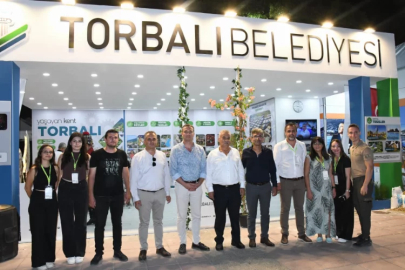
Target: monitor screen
pixel 3 121
pixel 306 128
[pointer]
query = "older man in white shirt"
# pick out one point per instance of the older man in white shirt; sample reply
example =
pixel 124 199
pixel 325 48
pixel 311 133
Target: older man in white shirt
pixel 226 186
pixel 289 156
pixel 150 187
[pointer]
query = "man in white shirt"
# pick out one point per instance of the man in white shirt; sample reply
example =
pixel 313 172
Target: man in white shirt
pixel 226 186
pixel 59 152
pixel 303 133
pixel 150 187
pixel 289 156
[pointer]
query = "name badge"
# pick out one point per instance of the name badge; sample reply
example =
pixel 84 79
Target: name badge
pixel 325 175
pixel 336 179
pixel 297 161
pixel 75 178
pixel 48 193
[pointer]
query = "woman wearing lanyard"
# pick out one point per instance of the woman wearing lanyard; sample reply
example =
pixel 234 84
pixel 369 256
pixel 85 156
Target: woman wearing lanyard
pixel 344 210
pixel 320 209
pixel 73 198
pixel 43 208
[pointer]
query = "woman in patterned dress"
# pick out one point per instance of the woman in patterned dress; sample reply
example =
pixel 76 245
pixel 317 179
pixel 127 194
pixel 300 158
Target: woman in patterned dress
pixel 320 208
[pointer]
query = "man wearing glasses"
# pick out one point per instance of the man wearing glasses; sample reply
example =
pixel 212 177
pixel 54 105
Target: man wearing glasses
pixel 150 187
pixel 226 187
pixel 187 168
pixel 260 169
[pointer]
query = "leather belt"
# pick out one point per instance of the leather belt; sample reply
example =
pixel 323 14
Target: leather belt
pixel 152 191
pixel 258 184
pixel 191 182
pixel 226 186
pixel 293 179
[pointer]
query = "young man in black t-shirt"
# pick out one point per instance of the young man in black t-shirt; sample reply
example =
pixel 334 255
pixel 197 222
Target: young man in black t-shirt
pixel 108 170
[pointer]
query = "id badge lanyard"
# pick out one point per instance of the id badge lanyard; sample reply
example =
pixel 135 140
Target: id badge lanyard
pixel 48 189
pixel 295 155
pixel 75 176
pixel 334 170
pixel 324 172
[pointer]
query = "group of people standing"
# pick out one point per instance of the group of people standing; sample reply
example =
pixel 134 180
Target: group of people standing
pixel 97 181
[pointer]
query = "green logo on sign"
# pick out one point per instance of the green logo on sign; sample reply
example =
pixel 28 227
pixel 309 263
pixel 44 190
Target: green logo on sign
pixel 225 123
pixel 369 120
pixel 137 124
pixel 45 141
pixel 205 123
pixel 160 124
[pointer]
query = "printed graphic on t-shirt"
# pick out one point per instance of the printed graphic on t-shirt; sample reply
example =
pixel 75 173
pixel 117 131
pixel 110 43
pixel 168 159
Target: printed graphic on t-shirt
pixel 112 166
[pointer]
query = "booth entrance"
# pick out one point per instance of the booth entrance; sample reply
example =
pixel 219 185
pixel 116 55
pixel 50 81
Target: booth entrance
pixel 292 66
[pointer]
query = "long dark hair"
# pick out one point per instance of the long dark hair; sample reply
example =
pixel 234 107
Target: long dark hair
pixel 67 155
pixel 342 152
pixel 313 153
pixel 38 159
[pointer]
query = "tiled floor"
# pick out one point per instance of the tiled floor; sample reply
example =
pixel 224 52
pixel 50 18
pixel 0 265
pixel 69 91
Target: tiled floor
pixel 387 252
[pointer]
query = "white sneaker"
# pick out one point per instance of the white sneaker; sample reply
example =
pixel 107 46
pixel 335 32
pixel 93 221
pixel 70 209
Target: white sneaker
pixel 79 259
pixel 50 265
pixel 341 240
pixel 43 267
pixel 71 260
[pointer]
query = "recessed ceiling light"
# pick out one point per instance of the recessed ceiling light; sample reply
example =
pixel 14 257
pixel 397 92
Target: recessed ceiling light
pixel 101 107
pixel 175 86
pixel 128 107
pixel 158 104
pixel 54 84
pixel 46 108
pixel 169 94
pixel 221 100
pixel 225 78
pixel 212 87
pixel 331 83
pixel 127 5
pixel 278 89
pixel 131 99
pixel 94 75
pixel 140 76
pixel 205 108
pixel 327 25
pixel 264 80
pixel 22 92
pixel 96 85
pixel 290 96
pixel 179 9
pixel 31 98
pixel 298 81
pixel 130 104
pixel 46 74
pixel 154 108
pixel 185 77
pixel 100 104
pixel 60 93
pixel 335 91
pixel 246 88
pixel 193 99
pixel 99 98
pixel 133 93
pixel 98 93
pixel 230 13
pixel 308 90
pixel 315 96
pixel 65 98
pixel 70 104
pixel 163 99
pixel 283 18
pixel 233 95
pixel 228 108
pixel 39 103
pixel 74 108
pixel 369 30
pixel 137 85
pixel 201 94
pixel 262 95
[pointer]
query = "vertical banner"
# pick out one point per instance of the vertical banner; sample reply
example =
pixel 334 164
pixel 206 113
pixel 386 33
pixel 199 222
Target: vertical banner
pixel 383 136
pixel 263 115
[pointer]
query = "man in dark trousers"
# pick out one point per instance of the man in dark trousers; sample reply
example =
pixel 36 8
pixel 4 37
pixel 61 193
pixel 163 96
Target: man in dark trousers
pixel 260 169
pixel 108 169
pixel 362 174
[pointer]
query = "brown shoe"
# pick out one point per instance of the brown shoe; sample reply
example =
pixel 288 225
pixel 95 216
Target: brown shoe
pixel 284 239
pixel 267 242
pixel 162 251
pixel 142 255
pixel 252 243
pixel 305 238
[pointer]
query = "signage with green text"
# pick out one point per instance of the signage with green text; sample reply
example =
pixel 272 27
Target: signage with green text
pixel 160 124
pixel 205 123
pixel 137 124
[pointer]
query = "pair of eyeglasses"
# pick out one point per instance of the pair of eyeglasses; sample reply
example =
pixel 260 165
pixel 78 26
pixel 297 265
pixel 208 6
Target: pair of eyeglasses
pixel 317 143
pixel 47 152
pixel 153 161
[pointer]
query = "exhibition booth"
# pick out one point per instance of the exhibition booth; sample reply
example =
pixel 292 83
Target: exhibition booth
pixel 92 68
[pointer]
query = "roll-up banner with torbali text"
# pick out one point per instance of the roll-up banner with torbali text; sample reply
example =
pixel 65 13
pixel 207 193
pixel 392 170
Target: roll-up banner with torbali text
pixel 383 135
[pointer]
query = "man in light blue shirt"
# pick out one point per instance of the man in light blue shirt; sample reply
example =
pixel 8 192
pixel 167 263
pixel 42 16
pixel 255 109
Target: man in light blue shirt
pixel 188 170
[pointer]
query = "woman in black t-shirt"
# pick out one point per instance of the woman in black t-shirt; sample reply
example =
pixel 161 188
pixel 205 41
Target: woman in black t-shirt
pixel 43 208
pixel 344 210
pixel 73 197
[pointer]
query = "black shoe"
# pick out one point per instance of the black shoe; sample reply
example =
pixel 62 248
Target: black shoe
pixel 219 247
pixel 200 246
pixel 252 243
pixel 357 238
pixel 97 258
pixel 142 255
pixel 363 242
pixel 162 251
pixel 305 239
pixel 267 242
pixel 238 245
pixel 284 239
pixel 120 256
pixel 90 222
pixel 182 249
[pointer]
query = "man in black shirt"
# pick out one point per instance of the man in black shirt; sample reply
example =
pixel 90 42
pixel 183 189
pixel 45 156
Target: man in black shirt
pixel 260 169
pixel 108 169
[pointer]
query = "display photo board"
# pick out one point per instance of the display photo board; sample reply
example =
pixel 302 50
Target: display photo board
pixel 383 135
